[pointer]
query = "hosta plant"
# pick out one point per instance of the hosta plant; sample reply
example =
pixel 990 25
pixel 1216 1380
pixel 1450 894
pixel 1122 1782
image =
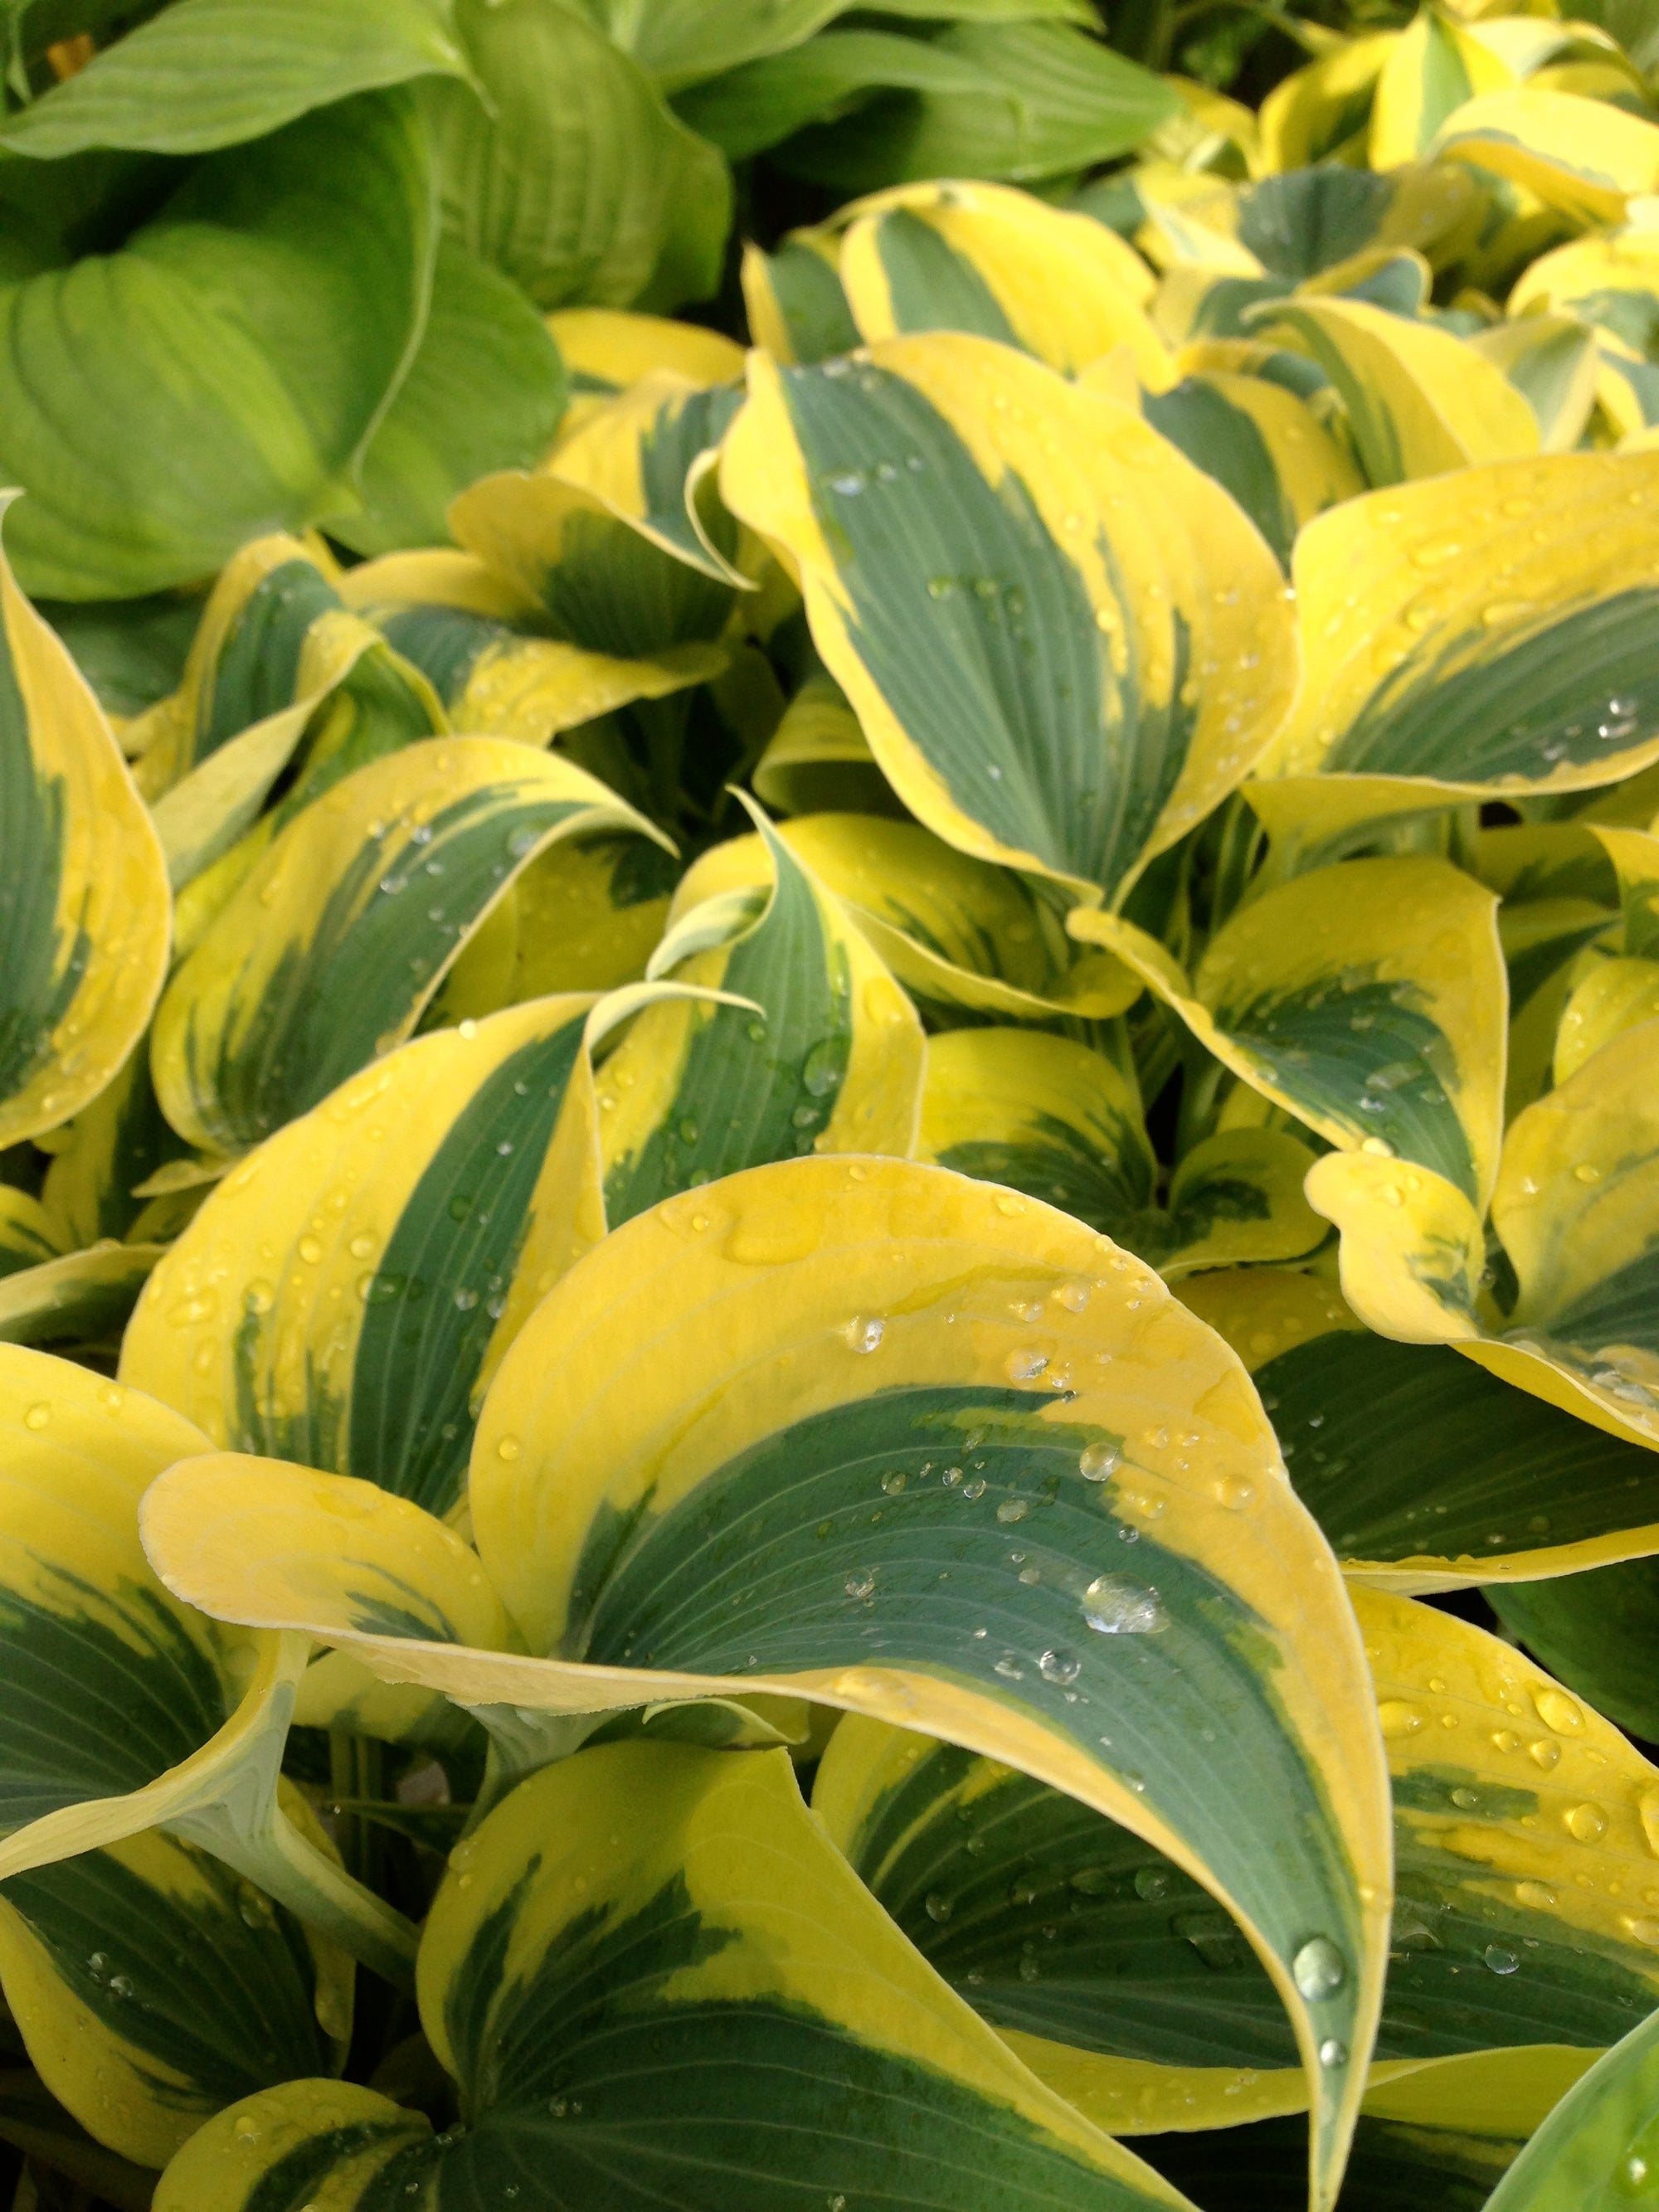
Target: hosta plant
pixel 828 1334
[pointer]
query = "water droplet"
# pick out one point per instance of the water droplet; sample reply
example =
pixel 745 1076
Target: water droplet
pixel 1587 1171
pixel 825 1067
pixel 1645 1931
pixel 1010 1669
pixel 975 1488
pixel 1587 1823
pixel 938 1907
pixel 1333 2053
pixel 246 2129
pixel 865 1335
pixel 38 1415
pixel 1234 1492
pixel 861 1585
pixel 1012 1510
pixel 1100 1461
pixel 1397 1718
pixel 1058 1666
pixel 310 1251
pixel 1114 1606
pixel 1556 1711
pixel 1318 1969
pixel 508 1448
pixel 1024 1366
pixel 1500 1960
pixel 1544 1754
pixel 893 1481
pixel 1538 1896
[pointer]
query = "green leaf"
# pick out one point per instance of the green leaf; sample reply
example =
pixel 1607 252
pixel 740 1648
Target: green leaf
pixel 153 1986
pixel 575 180
pixel 84 911
pixel 1037 99
pixel 33 2122
pixel 1598 2150
pixel 314 968
pixel 400 1309
pixel 257 323
pixel 825 1057
pixel 767 102
pixel 1122 1984
pixel 641 1949
pixel 485 392
pixel 1019 586
pixel 130 651
pixel 1598 1632
pixel 1426 1472
pixel 673 1484
pixel 679 42
pixel 124 1709
pixel 204 74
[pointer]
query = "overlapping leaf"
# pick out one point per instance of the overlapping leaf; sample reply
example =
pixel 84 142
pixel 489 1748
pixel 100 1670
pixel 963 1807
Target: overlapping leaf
pixel 909 1344
pixel 1020 589
pixel 338 936
pixel 753 1954
pixel 84 912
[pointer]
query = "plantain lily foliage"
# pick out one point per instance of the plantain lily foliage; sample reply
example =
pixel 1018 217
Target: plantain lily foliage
pixel 829 1167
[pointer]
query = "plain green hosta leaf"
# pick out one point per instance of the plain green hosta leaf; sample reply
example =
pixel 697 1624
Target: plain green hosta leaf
pixel 1599 2149
pixel 681 42
pixel 484 393
pixel 217 376
pixel 769 99
pixel 575 180
pixel 1049 99
pixel 209 73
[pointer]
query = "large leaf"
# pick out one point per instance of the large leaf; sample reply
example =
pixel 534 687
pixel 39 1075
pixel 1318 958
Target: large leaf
pixel 152 1987
pixel 1366 999
pixel 1523 1828
pixel 961 935
pixel 84 912
pixel 824 1056
pixel 1263 444
pixel 443 1146
pixel 1020 588
pixel 1424 1474
pixel 1486 633
pixel 485 392
pixel 1119 1982
pixel 124 1709
pixel 1048 1117
pixel 1585 156
pixel 635 1947
pixel 1598 1632
pixel 341 933
pixel 575 180
pixel 602 579
pixel 646 454
pixel 1002 264
pixel 223 370
pixel 1575 1209
pixel 1026 100
pixel 1598 2150
pixel 794 1424
pixel 1417 401
pixel 203 74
